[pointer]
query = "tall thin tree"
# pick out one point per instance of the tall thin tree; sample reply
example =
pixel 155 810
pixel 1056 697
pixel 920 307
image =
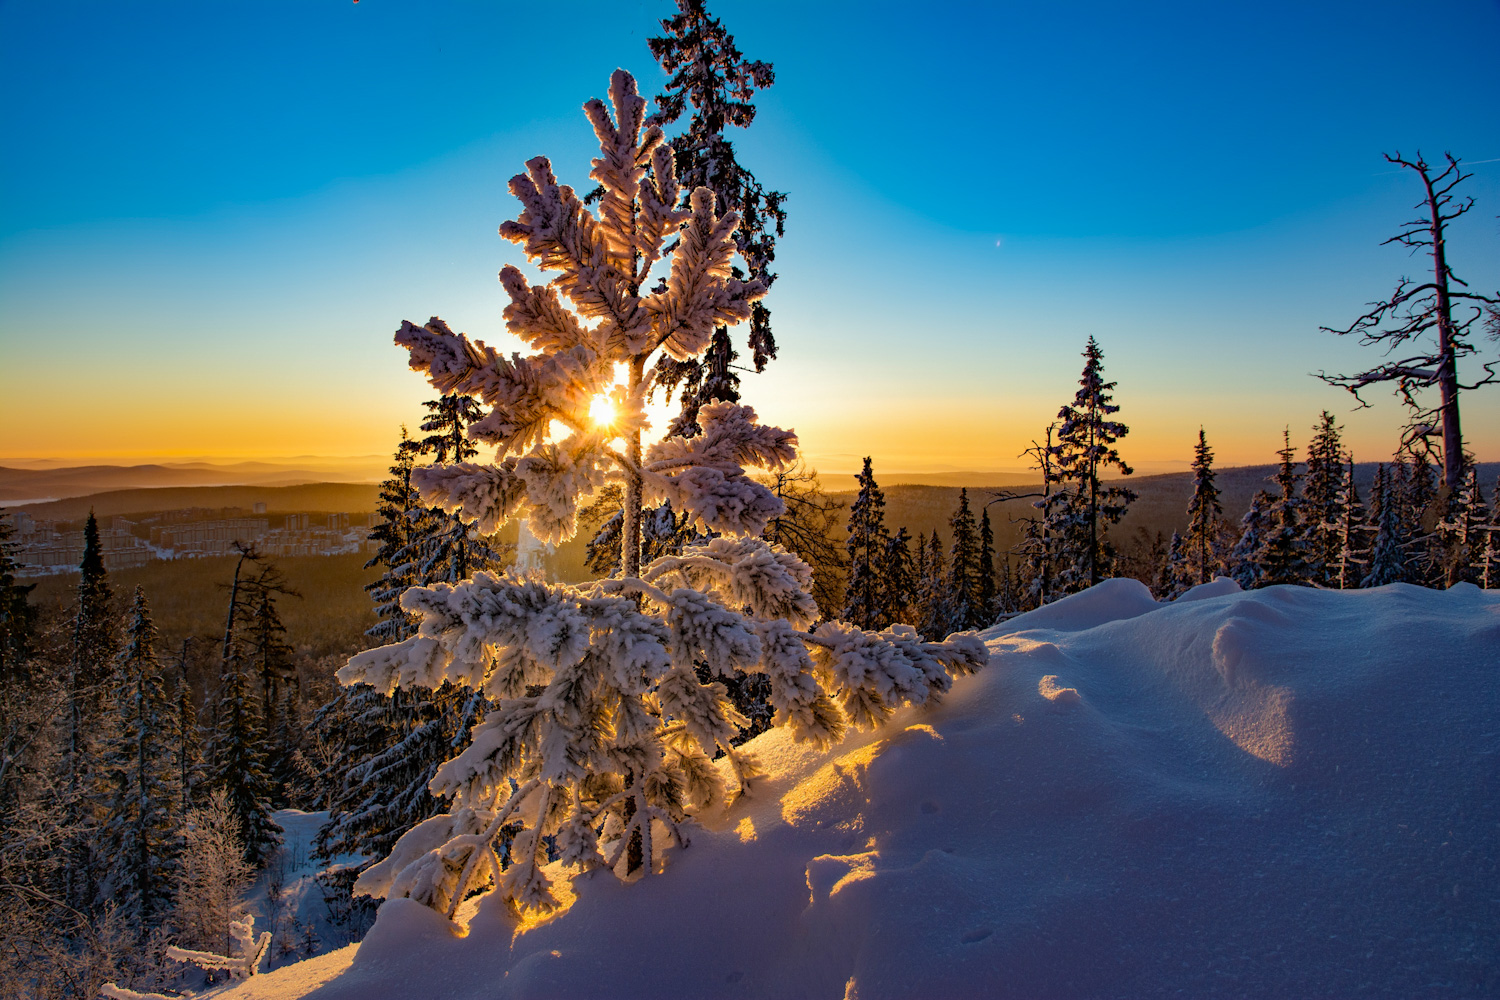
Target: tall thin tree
pixel 1083 511
pixel 1204 514
pixel 866 547
pixel 1426 323
pixel 708 74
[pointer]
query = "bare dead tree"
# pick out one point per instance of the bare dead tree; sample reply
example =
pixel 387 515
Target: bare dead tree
pixel 1037 545
pixel 1419 311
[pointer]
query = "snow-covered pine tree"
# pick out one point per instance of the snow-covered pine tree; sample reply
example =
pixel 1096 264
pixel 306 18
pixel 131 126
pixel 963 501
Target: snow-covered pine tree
pixel 1321 513
pixel 1080 514
pixel 187 743
pixel 238 749
pixel 933 607
pixel 1459 532
pixel 265 642
pixel 140 842
pixel 1177 574
pixel 1008 590
pixel 921 571
pixel 863 605
pixel 240 761
pixel 987 585
pixel 397 509
pixel 391 745
pixel 446 545
pixel 1387 559
pixel 1353 536
pixel 900 577
pixel 1488 570
pixel 1283 553
pixel 17 616
pixel 1245 560
pixel 602 732
pixel 1424 560
pixel 707 72
pixel 962 607
pixel 95 645
pixel 1205 513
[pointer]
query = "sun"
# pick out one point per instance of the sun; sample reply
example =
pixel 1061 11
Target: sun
pixel 602 411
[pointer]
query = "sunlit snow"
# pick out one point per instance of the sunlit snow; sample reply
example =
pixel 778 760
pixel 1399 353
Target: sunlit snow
pixel 1287 792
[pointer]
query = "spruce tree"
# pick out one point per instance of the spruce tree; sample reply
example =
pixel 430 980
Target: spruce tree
pixel 1387 560
pixel 1205 514
pixel 140 832
pixel 707 73
pixel 1283 552
pixel 1460 530
pixel 94 648
pixel 265 642
pixel 1080 514
pixel 1489 551
pixel 987 585
pixel 240 756
pixel 1322 492
pixel 447 546
pixel 934 601
pixel 921 572
pixel 188 744
pixel 1424 559
pixel 962 606
pixel 1353 549
pixel 390 746
pixel 866 547
pixel 1247 568
pixel 17 616
pixel 1176 575
pixel 900 577
pixel 239 750
pixel 397 508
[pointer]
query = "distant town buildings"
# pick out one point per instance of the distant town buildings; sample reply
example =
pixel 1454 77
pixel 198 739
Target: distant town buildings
pixel 43 549
pixel 46 547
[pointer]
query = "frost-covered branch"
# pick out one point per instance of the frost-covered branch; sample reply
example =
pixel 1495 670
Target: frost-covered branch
pixel 249 950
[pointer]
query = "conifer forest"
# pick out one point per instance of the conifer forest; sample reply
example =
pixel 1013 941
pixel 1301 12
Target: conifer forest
pixel 606 690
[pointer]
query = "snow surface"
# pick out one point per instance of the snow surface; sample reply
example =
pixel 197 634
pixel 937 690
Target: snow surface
pixel 1287 792
pixel 301 895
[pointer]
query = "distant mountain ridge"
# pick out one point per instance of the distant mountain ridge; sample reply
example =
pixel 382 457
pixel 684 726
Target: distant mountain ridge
pixel 74 481
pixel 301 498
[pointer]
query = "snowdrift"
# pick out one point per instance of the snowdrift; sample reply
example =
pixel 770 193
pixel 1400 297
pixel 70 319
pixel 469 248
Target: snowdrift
pixel 1288 792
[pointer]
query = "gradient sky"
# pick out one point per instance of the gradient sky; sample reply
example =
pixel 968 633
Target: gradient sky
pixel 213 216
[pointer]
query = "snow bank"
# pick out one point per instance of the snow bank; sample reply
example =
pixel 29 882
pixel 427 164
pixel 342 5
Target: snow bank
pixel 1286 792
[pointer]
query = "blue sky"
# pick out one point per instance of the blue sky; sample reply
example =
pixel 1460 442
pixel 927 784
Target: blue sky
pixel 214 215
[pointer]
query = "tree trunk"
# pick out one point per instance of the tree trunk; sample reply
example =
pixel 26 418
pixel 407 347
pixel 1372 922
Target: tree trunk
pixel 630 529
pixel 1453 441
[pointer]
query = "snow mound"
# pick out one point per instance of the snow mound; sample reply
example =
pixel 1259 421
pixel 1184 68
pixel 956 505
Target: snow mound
pixel 1219 586
pixel 1286 792
pixel 1110 601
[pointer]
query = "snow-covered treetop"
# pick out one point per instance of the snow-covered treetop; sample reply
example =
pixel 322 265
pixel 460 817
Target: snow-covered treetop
pixel 597 312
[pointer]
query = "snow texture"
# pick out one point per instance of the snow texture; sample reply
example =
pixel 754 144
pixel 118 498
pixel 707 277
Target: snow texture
pixel 1287 792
